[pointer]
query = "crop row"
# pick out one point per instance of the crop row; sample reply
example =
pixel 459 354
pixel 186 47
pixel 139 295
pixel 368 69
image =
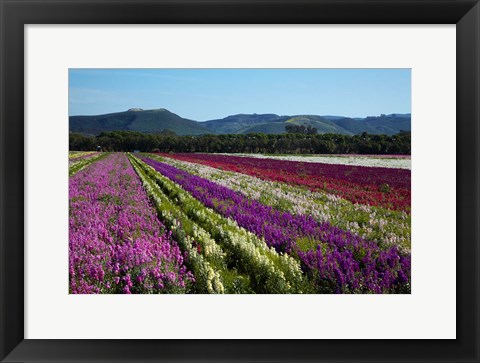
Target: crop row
pixel 334 259
pixel 385 227
pixel 388 188
pixel 267 271
pixel 204 257
pixel 116 242
pixel 72 155
pixel 358 160
pixel 77 164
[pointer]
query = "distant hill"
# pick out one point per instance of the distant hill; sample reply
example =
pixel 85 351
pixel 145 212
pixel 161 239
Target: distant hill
pixel 237 124
pixel 266 128
pixel 388 124
pixel 355 126
pixel 328 117
pixel 274 124
pixel 136 119
pixel 322 125
pixel 269 124
pixel 158 120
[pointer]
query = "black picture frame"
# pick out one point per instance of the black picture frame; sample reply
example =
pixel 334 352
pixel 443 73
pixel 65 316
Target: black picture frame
pixel 17 13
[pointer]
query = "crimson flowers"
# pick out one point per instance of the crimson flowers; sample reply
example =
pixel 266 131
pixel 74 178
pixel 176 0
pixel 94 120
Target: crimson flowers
pixel 385 187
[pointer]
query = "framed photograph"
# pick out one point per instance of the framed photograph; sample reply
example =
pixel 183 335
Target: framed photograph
pixel 240 181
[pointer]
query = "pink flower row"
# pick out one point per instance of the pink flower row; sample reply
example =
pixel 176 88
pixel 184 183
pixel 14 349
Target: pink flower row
pixel 116 242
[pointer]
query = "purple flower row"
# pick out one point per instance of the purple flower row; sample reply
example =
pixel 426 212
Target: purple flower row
pixel 116 242
pixel 336 260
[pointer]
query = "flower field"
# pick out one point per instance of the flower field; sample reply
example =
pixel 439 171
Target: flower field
pixel 209 223
pixel 116 242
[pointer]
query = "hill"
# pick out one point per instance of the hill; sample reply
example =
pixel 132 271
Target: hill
pixel 237 124
pixel 389 124
pixel 274 124
pixel 270 124
pixel 136 119
pixel 158 120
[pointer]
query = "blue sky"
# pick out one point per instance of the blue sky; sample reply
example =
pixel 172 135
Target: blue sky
pixel 205 94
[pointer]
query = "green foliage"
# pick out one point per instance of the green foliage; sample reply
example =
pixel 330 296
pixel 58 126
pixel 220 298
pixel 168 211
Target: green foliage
pixel 246 143
pixel 301 129
pixel 148 121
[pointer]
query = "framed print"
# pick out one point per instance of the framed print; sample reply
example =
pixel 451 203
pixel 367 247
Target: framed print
pixel 247 181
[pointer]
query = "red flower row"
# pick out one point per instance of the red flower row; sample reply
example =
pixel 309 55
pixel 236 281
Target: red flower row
pixel 384 187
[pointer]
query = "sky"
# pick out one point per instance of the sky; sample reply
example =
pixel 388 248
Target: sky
pixel 206 94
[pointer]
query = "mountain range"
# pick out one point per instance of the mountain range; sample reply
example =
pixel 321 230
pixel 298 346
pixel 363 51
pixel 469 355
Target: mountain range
pixel 158 120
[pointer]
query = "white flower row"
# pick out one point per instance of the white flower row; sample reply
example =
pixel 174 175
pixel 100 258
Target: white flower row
pixel 278 273
pixel 371 161
pixel 207 279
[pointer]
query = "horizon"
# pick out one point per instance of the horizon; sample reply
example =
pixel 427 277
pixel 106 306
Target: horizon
pixel 139 109
pixel 208 94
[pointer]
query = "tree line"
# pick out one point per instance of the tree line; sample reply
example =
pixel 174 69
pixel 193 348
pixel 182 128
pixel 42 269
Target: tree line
pixel 290 143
